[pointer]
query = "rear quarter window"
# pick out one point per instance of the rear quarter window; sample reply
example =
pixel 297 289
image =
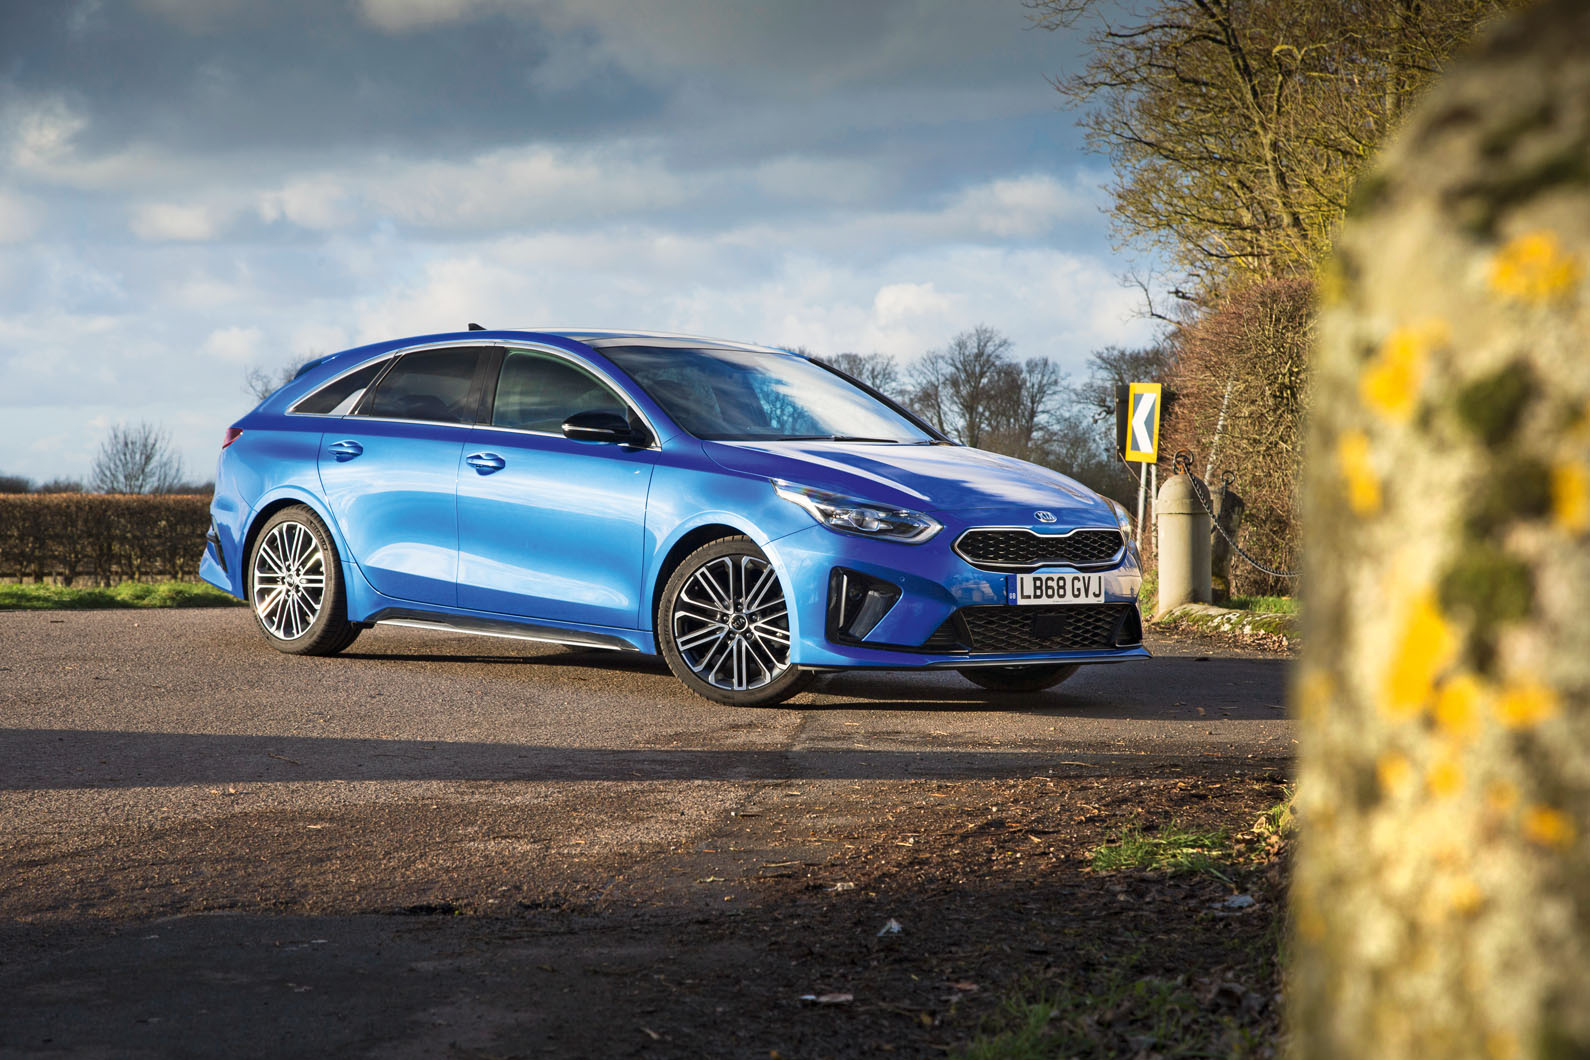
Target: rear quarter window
pixel 338 397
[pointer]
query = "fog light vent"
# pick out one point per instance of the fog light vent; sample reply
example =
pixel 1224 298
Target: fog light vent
pixel 857 603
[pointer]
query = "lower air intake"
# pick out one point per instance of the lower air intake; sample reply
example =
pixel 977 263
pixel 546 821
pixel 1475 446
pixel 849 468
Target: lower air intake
pixel 995 630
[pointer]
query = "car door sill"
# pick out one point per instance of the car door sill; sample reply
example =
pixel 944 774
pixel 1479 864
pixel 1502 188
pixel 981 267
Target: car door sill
pixel 485 627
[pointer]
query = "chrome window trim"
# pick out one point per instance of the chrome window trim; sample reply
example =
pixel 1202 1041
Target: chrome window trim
pixel 507 346
pixel 602 375
pixel 292 409
pixel 1113 561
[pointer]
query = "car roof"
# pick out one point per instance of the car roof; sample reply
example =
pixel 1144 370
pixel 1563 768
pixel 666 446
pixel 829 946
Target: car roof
pixel 594 338
pixel 601 338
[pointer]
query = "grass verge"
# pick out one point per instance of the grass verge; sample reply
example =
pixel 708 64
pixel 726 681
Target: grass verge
pixel 1273 605
pixel 127 594
pixel 1173 849
pixel 1152 1001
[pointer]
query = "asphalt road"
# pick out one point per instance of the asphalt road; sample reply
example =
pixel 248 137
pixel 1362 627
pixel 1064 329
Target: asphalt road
pixel 160 767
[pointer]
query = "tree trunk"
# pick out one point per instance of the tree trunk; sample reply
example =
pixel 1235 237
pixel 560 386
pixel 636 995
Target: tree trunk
pixel 1442 894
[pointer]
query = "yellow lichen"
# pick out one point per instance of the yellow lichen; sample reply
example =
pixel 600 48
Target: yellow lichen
pixel 1501 796
pixel 1548 827
pixel 1390 385
pixel 1315 691
pixel 1394 769
pixel 1465 896
pixel 1535 269
pixel 1525 705
pixel 1358 471
pixel 1424 648
pixel 1457 707
pixel 1501 1045
pixel 1570 497
pixel 1445 778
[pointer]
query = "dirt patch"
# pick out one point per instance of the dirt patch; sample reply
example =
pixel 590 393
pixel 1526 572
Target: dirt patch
pixel 820 919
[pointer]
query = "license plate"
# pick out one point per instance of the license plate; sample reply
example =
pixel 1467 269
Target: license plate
pixel 1059 588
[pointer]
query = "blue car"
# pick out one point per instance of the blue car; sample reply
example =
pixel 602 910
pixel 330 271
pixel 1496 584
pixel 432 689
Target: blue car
pixel 754 516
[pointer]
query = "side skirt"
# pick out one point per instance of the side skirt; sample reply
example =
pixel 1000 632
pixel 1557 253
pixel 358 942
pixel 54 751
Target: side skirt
pixel 486 627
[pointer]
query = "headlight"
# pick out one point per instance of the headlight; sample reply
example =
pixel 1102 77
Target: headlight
pixel 1123 518
pixel 852 516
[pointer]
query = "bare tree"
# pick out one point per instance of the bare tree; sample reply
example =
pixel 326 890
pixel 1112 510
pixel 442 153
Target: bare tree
pixel 136 459
pixel 60 485
pixel 261 383
pixel 877 370
pixel 1115 366
pixel 15 484
pixel 961 387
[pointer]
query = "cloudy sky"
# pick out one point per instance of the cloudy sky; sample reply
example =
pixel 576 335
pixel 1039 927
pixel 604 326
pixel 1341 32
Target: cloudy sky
pixel 190 188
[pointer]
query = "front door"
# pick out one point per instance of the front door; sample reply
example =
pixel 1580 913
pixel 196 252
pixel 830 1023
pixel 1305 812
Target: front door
pixel 549 527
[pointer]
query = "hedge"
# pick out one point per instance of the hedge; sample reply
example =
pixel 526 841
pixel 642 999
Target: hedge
pixel 101 538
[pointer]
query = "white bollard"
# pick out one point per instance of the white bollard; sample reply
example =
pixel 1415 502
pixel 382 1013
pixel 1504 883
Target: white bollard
pixel 1182 528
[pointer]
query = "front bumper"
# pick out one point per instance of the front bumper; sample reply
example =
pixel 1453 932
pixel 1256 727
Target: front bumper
pixel 935 583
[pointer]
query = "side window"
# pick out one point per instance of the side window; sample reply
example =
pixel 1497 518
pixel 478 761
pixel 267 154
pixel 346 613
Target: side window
pixel 427 385
pixel 537 392
pixel 338 397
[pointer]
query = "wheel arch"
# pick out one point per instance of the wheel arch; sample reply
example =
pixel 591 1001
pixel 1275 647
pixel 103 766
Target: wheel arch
pixel 685 544
pixel 269 507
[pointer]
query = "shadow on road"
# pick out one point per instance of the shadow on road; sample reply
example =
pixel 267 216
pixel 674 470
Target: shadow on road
pixel 1162 688
pixel 44 759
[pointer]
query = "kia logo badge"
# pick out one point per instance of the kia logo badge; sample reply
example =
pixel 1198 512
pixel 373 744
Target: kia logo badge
pixel 1044 517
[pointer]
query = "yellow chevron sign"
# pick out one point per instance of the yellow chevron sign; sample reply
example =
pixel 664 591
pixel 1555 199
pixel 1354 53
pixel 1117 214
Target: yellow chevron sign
pixel 1142 422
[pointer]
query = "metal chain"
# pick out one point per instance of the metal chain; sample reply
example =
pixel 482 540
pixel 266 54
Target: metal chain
pixel 1183 464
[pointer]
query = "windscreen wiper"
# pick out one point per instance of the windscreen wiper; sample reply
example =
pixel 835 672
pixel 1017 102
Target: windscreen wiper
pixel 858 438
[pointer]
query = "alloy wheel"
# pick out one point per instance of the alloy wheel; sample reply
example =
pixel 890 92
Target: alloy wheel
pixel 289 584
pixel 731 624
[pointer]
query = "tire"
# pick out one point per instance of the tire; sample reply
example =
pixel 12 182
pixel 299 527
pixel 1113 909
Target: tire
pixel 718 647
pixel 295 586
pixel 1018 678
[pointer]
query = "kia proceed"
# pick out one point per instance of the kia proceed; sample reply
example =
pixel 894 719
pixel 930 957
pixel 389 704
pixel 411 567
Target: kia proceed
pixel 753 516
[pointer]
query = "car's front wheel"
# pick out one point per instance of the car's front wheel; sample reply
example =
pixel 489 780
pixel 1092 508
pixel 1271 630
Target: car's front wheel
pixel 295 585
pixel 1017 678
pixel 723 626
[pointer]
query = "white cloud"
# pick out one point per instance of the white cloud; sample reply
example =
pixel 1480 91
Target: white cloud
pixel 319 203
pixel 160 221
pixel 1020 207
pixel 239 345
pixel 42 132
pixel 398 16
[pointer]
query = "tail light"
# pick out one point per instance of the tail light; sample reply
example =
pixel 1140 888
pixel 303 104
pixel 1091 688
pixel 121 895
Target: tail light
pixel 232 435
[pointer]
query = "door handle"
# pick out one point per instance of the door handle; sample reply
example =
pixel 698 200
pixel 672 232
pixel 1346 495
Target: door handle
pixel 346 450
pixel 485 463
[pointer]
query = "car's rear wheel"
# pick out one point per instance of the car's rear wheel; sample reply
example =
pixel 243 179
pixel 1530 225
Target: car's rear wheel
pixel 723 626
pixel 295 586
pixel 1017 678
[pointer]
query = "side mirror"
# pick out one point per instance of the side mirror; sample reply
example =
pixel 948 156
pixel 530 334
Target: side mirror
pixel 599 426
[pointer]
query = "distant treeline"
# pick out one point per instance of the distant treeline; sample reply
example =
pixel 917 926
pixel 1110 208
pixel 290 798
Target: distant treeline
pixel 101 539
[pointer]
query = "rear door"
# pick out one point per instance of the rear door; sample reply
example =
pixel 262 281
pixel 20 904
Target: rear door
pixel 390 472
pixel 550 527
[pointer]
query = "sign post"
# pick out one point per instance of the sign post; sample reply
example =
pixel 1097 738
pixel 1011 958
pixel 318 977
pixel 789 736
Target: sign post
pixel 1137 429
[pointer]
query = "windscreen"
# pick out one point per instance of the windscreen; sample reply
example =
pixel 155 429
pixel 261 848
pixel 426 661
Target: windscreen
pixel 740 395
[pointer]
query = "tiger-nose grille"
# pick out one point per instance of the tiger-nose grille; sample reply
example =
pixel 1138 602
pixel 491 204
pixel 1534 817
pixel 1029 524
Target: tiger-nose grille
pixel 1015 549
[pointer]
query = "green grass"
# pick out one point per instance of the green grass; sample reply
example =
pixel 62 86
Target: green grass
pixel 1278 605
pixel 1172 849
pixel 127 594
